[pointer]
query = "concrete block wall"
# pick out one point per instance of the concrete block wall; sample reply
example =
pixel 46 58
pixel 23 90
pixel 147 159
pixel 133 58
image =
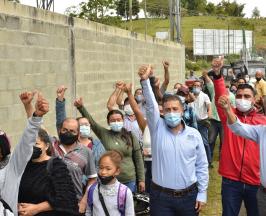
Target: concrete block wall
pixel 41 50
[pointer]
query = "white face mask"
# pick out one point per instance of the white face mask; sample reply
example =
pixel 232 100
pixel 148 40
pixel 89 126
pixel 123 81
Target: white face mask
pixel 128 110
pixel 243 105
pixel 85 131
pixel 175 91
pixel 183 99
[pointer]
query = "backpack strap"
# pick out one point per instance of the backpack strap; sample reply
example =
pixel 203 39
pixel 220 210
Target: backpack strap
pixel 121 199
pixel 90 195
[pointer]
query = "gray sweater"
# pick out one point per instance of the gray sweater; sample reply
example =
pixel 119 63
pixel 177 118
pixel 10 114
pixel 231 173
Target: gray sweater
pixel 10 176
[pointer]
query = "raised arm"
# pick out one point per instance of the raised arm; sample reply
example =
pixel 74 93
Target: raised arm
pixel 26 99
pixel 97 129
pixel 120 98
pixel 239 128
pixel 166 77
pixel 60 106
pixel 23 152
pixel 153 114
pixel 111 103
pixel 139 115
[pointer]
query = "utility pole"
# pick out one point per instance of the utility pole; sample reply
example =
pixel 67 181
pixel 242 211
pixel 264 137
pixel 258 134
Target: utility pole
pixel 130 15
pixel 175 20
pixel 145 13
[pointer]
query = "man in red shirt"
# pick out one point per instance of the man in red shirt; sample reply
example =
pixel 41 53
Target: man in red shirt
pixel 239 162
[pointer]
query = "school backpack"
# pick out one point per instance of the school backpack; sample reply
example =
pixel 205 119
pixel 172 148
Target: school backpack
pixel 121 198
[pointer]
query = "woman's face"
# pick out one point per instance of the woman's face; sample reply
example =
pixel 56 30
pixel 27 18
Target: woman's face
pixel 42 145
pixel 84 121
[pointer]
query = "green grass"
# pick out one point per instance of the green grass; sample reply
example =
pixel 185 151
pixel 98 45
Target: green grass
pixel 208 22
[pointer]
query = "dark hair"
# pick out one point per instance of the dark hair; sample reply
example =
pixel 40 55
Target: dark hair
pixel 242 78
pixel 168 97
pixel 4 145
pixel 126 100
pixel 246 86
pixel 44 137
pixel 67 119
pixel 125 135
pixel 137 90
pixel 115 156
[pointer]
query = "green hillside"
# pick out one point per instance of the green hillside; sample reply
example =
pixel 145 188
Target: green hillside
pixel 209 22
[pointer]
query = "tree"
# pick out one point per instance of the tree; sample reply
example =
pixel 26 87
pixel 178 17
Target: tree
pixel 157 8
pixel 230 9
pixel 95 10
pixel 255 13
pixel 122 8
pixel 211 8
pixel 196 5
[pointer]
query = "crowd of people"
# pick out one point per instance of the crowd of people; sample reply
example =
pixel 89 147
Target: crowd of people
pixel 160 141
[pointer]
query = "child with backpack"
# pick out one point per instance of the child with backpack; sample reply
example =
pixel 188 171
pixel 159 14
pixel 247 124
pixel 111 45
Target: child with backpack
pixel 108 196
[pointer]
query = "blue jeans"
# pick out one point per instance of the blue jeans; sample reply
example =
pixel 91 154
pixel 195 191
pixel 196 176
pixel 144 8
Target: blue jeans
pixel 233 193
pixel 148 175
pixel 163 204
pixel 131 185
pixel 204 134
pixel 215 130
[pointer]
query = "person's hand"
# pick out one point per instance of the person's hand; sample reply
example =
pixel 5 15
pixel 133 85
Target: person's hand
pixel 120 84
pixel 224 102
pixel 82 207
pixel 166 65
pixel 28 209
pixel 217 65
pixel 27 97
pixel 199 205
pixel 127 88
pixel 41 105
pixel 157 83
pixel 61 92
pixel 145 152
pixel 145 72
pixel 78 102
pixel 205 73
pixel 141 186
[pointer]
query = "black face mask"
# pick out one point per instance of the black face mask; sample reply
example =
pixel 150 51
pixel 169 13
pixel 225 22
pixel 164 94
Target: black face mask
pixel 105 180
pixel 258 78
pixel 68 138
pixel 36 152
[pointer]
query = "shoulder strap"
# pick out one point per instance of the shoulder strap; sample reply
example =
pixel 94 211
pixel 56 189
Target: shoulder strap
pixel 90 195
pixel 102 201
pixel 121 199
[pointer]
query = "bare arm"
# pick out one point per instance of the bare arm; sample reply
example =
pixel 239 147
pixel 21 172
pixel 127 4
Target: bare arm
pixel 157 91
pixel 119 100
pixel 112 99
pixel 166 77
pixel 139 115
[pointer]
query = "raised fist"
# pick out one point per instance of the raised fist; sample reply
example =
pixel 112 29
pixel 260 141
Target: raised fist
pixel 217 64
pixel 41 105
pixel 127 88
pixel 224 102
pixel 78 102
pixel 144 72
pixel 61 92
pixel 27 97
pixel 166 65
pixel 120 84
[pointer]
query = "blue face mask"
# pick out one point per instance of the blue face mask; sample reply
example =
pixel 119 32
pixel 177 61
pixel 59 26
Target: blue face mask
pixel 139 98
pixel 116 126
pixel 84 131
pixel 173 119
pixel 196 90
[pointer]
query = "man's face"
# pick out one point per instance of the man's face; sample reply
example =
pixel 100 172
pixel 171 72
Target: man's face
pixel 241 81
pixel 71 126
pixel 138 92
pixel 245 94
pixel 197 85
pixel 259 74
pixel 172 106
pixel 115 118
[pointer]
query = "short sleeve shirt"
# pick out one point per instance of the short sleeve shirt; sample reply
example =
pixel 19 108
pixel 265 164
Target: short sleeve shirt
pixel 200 106
pixel 261 88
pixel 80 163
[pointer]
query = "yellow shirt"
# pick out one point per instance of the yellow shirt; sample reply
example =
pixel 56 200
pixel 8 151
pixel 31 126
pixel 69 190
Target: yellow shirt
pixel 261 88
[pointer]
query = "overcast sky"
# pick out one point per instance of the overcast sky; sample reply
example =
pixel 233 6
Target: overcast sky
pixel 61 5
